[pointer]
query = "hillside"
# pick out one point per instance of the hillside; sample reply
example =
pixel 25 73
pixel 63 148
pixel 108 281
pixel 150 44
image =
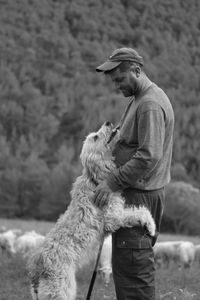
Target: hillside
pixel 51 96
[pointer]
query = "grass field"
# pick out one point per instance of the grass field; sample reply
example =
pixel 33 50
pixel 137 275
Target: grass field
pixel 14 284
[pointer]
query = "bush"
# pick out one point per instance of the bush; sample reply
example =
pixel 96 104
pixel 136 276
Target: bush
pixel 182 208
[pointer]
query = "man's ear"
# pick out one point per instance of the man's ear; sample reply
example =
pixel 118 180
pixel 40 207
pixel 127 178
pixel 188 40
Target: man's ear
pixel 136 70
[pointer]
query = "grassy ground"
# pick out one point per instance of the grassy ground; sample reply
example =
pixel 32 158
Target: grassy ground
pixel 171 283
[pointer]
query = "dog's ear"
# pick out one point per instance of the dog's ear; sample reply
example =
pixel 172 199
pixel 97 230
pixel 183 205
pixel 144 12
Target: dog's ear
pixel 96 167
pixel 93 166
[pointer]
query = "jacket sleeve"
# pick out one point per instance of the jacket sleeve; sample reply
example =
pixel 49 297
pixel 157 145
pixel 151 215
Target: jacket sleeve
pixel 151 131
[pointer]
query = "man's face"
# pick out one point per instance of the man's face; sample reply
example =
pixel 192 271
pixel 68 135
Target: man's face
pixel 125 82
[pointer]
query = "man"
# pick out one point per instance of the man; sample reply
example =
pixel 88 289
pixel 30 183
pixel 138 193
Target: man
pixel 143 159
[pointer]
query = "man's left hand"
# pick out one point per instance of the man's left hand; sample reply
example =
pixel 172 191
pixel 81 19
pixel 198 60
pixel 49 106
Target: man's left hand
pixel 101 195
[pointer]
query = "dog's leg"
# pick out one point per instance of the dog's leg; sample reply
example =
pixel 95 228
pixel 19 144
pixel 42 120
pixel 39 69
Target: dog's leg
pixel 141 215
pixel 117 216
pixel 59 286
pixel 114 215
pixel 69 284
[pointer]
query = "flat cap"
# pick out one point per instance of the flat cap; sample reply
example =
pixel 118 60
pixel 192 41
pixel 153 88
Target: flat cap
pixel 118 56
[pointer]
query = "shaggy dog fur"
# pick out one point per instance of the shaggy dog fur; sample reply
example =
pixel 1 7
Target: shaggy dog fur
pixel 71 242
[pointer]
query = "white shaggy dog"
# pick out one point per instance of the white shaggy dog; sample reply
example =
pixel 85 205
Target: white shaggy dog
pixel 71 242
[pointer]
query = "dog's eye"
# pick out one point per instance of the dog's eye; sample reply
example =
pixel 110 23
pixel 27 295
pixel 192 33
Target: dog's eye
pixel 96 138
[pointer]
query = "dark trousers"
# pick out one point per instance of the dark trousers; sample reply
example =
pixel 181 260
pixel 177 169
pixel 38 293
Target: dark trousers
pixel 132 253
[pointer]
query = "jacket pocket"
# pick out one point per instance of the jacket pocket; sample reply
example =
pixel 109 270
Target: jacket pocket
pixel 140 243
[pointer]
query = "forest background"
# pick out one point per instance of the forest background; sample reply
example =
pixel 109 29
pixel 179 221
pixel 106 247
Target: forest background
pixel 51 97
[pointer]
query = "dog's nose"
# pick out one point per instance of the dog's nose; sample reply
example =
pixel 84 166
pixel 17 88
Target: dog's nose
pixel 108 123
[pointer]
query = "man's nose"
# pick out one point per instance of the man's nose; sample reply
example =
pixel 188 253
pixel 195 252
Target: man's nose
pixel 117 85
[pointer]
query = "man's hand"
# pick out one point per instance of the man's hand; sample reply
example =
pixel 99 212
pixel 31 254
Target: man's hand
pixel 101 195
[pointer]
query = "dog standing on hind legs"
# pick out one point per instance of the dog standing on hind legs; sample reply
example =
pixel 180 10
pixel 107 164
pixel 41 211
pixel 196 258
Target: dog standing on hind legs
pixel 71 242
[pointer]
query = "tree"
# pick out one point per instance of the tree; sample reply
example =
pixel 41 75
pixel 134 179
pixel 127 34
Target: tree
pixel 51 96
pixel 182 207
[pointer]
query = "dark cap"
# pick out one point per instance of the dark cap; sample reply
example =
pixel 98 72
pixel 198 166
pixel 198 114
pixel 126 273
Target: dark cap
pixel 118 56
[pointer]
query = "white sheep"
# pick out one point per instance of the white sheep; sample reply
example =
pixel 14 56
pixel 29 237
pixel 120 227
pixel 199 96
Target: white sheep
pixel 105 265
pixel 7 240
pixel 28 242
pixel 181 252
pixel 186 254
pixel 163 253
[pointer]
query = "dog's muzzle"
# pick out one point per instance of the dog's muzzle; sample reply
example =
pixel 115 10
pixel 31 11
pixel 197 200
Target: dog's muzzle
pixel 108 123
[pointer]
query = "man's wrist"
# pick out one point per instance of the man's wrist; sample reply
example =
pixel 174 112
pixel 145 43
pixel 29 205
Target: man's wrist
pixel 112 184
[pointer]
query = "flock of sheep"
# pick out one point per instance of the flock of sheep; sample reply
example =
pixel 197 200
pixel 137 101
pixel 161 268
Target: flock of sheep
pixel 183 253
pixel 14 241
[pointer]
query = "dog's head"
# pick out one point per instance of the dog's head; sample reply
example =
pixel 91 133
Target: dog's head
pixel 96 154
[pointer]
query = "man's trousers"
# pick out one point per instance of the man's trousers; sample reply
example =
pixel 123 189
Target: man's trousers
pixel 132 254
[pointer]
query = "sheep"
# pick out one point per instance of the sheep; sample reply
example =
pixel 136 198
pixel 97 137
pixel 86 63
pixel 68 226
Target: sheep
pixel 181 252
pixel 105 267
pixel 28 242
pixel 163 253
pixel 7 240
pixel 186 254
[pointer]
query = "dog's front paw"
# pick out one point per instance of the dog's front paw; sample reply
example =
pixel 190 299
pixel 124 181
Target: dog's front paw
pixel 151 227
pixel 146 219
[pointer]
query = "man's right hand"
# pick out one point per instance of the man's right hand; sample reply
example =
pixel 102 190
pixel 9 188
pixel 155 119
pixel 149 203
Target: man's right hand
pixel 101 195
